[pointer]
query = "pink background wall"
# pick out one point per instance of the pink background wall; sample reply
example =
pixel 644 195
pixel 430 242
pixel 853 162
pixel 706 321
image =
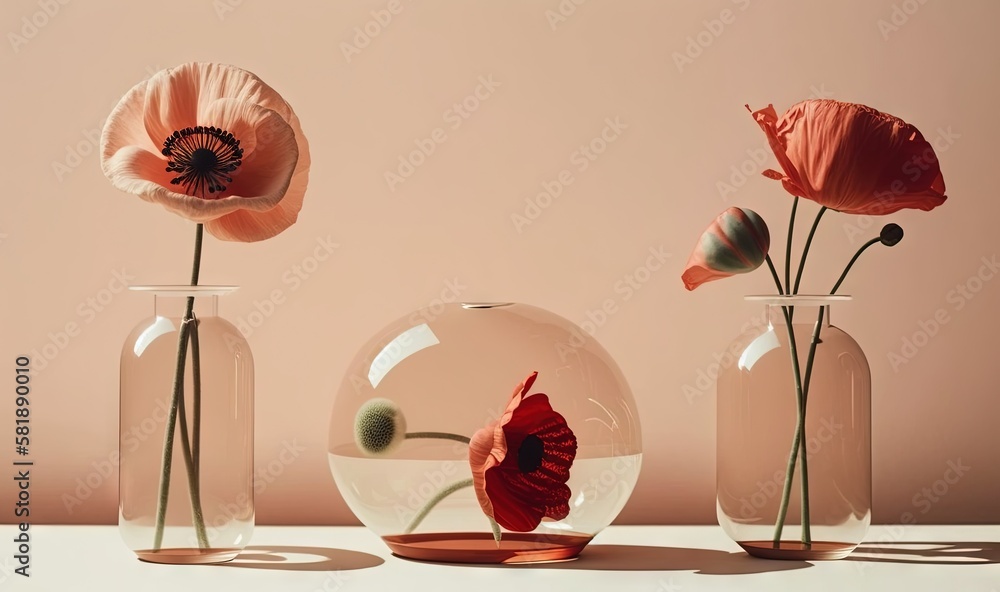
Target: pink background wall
pixel 447 230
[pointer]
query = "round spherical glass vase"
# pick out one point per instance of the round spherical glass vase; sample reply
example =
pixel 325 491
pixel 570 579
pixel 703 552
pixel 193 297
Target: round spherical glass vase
pixel 191 501
pixel 444 373
pixel 758 428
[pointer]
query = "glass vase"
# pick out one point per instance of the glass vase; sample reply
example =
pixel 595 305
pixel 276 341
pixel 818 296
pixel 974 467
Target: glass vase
pixel 445 374
pixel 824 510
pixel 189 501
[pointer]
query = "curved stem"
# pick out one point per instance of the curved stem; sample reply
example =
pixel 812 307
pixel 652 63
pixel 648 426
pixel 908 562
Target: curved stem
pixel 843 276
pixel 788 247
pixel 805 249
pixel 774 273
pixel 450 489
pixel 438 436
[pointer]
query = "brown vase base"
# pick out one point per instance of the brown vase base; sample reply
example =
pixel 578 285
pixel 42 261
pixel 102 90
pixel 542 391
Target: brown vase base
pixel 798 551
pixel 477 547
pixel 193 556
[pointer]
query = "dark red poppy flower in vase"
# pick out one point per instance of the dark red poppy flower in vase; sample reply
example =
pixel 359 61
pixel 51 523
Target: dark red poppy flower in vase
pixel 434 452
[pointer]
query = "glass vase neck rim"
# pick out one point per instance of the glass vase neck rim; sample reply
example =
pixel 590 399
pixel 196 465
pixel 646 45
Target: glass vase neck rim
pixel 798 299
pixel 184 290
pixel 485 305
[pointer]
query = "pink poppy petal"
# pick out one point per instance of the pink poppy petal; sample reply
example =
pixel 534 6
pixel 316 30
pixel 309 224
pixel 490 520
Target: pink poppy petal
pixel 171 102
pixel 142 173
pixel 124 125
pixel 247 226
pixel 481 459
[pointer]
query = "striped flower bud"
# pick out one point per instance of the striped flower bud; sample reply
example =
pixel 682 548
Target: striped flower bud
pixel 736 242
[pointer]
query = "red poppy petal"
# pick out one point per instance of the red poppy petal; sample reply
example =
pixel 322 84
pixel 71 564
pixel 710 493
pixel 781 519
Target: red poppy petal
pixel 852 158
pixel 517 500
pixel 509 508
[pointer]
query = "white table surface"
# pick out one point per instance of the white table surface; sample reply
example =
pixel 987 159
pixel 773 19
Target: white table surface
pixel 643 558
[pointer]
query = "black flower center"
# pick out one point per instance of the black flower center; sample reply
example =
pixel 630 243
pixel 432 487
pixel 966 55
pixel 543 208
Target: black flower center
pixel 529 455
pixel 204 158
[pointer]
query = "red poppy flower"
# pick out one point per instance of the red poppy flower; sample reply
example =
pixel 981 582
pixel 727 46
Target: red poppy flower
pixel 852 158
pixel 736 242
pixel 520 464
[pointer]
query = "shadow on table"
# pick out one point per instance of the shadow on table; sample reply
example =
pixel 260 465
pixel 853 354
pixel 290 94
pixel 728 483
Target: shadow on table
pixel 937 553
pixel 319 559
pixel 649 558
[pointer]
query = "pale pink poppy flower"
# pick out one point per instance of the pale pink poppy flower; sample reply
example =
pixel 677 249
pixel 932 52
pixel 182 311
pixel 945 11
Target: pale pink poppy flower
pixel 214 144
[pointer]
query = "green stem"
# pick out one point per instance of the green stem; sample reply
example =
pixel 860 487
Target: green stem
pixel 843 276
pixel 450 489
pixel 774 273
pixel 788 249
pixel 799 435
pixel 176 403
pixel 189 463
pixel 196 403
pixel 805 250
pixel 438 436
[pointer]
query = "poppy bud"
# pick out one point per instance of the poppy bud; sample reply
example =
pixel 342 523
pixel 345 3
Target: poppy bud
pixel 736 242
pixel 891 234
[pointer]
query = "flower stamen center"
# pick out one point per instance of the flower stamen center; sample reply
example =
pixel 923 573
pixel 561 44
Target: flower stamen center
pixel 529 455
pixel 204 157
